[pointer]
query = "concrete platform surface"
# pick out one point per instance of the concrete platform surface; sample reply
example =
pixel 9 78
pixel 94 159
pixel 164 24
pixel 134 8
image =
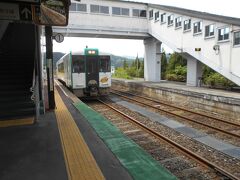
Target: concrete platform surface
pixel 32 152
pixel 182 86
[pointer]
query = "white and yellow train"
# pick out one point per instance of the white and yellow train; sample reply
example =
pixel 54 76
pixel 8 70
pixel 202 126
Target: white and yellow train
pixel 87 74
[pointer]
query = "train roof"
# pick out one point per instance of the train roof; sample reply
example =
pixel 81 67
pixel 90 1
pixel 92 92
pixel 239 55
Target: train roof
pixel 82 53
pixel 77 53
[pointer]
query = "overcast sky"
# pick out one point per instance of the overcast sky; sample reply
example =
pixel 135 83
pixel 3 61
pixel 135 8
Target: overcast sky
pixel 134 47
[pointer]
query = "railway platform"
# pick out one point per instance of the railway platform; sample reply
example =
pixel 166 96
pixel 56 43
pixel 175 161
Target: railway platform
pixel 72 142
pixel 216 101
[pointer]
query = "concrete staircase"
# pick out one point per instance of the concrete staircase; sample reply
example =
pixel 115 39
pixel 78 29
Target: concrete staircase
pixel 16 75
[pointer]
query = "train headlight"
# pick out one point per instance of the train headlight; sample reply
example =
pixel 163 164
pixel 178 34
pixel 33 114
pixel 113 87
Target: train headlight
pixel 91 52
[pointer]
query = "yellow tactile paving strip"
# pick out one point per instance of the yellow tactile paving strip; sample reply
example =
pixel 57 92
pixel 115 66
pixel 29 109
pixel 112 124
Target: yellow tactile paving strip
pixel 17 122
pixel 67 92
pixel 79 161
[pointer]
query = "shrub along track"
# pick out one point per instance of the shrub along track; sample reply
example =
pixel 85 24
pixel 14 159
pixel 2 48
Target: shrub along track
pixel 227 130
pixel 184 157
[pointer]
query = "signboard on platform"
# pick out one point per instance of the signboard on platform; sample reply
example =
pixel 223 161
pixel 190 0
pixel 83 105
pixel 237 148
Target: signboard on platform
pixel 9 11
pixel 25 12
pixel 24 1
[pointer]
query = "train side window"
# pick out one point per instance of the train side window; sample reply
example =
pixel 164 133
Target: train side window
pixel 61 68
pixel 105 64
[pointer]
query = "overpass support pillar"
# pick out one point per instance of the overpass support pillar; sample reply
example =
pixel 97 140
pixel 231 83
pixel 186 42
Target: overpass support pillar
pixel 152 61
pixel 194 71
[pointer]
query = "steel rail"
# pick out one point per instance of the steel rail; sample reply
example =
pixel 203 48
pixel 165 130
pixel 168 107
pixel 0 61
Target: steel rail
pixel 181 116
pixel 186 151
pixel 180 108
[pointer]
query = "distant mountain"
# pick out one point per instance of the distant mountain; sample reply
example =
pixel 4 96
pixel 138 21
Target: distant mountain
pixel 117 61
pixel 56 57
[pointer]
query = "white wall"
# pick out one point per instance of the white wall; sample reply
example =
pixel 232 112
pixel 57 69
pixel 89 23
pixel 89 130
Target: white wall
pixel 226 62
pixel 97 24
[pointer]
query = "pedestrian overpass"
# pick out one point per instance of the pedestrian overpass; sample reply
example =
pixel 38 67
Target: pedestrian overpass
pixel 201 37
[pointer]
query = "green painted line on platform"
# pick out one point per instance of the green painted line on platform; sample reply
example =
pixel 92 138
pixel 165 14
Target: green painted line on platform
pixel 139 164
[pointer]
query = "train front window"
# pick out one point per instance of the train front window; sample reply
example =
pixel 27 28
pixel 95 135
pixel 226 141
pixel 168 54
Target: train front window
pixel 92 64
pixel 78 64
pixel 105 65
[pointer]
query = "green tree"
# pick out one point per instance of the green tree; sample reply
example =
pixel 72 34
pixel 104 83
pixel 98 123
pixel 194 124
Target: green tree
pixel 176 68
pixel 175 60
pixel 125 64
pixel 141 70
pixel 137 64
pixel 214 79
pixel 131 71
pixel 121 73
pixel 207 71
pixel 133 65
pixel 134 69
pixel 217 80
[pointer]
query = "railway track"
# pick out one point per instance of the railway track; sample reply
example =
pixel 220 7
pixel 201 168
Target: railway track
pixel 144 133
pixel 217 124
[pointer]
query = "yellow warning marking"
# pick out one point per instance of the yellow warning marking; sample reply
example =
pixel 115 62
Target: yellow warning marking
pixel 67 92
pixel 17 122
pixel 79 161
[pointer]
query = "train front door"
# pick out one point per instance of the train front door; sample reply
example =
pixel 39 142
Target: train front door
pixel 92 73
